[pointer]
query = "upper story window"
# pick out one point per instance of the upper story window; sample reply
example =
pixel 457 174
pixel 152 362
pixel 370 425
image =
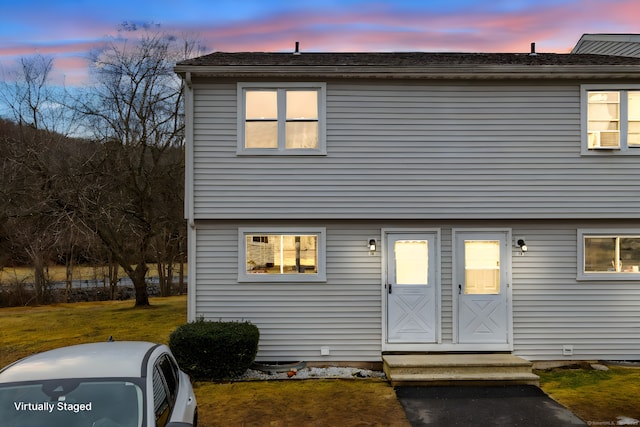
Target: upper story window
pixel 281 119
pixel 611 117
pixel 608 255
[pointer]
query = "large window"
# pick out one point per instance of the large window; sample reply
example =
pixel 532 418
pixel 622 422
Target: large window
pixel 605 254
pixel 281 119
pixel 281 255
pixel 612 120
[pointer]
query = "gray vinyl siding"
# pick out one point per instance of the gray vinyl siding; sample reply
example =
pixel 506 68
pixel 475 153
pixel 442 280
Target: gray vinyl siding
pixel 297 319
pixel 416 154
pixel 412 149
pixel 446 291
pixel 601 320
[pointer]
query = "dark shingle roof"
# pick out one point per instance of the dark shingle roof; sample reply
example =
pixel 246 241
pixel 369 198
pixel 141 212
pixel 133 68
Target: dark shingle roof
pixel 409 65
pixel 401 59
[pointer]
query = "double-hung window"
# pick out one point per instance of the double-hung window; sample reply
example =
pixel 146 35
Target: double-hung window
pixel 281 255
pixel 281 119
pixel 608 254
pixel 611 120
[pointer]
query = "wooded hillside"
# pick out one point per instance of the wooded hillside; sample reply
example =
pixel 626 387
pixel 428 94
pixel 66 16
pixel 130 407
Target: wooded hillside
pixel 113 196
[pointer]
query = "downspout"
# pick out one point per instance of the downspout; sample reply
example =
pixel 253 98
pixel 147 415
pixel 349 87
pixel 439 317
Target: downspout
pixel 188 175
pixel 188 198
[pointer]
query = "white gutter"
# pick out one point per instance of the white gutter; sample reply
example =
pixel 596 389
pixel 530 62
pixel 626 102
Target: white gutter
pixel 435 72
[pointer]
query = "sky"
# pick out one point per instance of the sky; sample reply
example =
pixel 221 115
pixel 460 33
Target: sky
pixel 67 30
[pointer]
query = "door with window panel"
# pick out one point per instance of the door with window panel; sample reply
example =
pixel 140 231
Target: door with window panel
pixel 411 287
pixel 482 279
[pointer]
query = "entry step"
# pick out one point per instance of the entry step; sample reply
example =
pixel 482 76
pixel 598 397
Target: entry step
pixel 451 369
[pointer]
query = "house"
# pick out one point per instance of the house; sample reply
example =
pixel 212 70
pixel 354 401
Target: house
pixel 609 44
pixel 357 204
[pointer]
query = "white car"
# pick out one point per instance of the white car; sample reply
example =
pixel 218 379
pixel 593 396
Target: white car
pixel 107 384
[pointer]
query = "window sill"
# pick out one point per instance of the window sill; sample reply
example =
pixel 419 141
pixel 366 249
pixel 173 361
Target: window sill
pixel 274 152
pixel 289 278
pixel 607 277
pixel 607 152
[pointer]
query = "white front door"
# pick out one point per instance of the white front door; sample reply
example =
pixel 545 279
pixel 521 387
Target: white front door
pixel 411 287
pixel 481 284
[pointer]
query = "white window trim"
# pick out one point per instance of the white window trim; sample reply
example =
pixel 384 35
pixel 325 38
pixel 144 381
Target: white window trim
pixel 281 151
pixel 320 276
pixel 595 232
pixel 624 149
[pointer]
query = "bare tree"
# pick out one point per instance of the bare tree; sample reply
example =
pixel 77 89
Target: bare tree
pixel 135 110
pixel 125 187
pixel 33 153
pixel 32 101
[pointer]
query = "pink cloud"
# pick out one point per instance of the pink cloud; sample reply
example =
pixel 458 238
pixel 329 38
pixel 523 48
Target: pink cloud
pixel 59 48
pixel 72 71
pixel 375 27
pixel 555 29
pixel 70 63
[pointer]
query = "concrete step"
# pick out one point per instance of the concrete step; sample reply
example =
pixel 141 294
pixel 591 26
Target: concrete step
pixel 449 369
pixel 484 379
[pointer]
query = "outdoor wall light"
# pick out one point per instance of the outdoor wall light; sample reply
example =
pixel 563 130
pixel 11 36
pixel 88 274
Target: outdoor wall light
pixel 372 245
pixel 523 245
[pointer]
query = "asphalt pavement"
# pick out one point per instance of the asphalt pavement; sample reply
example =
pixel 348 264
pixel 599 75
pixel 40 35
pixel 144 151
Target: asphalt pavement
pixel 513 406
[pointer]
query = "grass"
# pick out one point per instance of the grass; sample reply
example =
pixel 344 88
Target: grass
pixel 300 403
pixel 58 273
pixel 598 397
pixel 28 330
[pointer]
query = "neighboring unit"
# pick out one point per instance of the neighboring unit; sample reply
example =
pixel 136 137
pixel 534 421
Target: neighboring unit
pixel 356 204
pixel 609 44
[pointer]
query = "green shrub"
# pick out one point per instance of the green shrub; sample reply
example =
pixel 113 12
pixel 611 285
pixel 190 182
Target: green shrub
pixel 215 350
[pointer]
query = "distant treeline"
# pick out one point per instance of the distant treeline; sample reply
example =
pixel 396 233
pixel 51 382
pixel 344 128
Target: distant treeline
pixel 113 196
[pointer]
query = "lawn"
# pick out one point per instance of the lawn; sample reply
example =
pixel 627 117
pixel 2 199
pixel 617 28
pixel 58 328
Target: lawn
pixel 598 397
pixel 27 330
pixel 79 272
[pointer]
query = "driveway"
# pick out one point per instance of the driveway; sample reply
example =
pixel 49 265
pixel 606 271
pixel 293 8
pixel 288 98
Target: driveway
pixel 512 406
